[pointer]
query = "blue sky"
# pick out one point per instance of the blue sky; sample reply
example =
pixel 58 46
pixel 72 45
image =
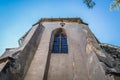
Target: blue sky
pixel 17 17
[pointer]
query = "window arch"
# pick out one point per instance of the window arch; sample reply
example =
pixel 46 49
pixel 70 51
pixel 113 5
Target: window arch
pixel 60 42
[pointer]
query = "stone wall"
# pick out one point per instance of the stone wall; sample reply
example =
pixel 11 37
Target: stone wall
pixel 81 62
pixel 114 54
pixel 87 58
pixel 17 67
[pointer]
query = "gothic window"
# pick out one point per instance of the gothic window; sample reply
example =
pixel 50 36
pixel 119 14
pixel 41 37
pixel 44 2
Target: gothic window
pixel 60 43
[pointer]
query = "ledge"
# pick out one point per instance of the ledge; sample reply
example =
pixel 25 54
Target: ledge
pixel 78 20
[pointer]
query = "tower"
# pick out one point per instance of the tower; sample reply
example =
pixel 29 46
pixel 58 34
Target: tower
pixel 59 49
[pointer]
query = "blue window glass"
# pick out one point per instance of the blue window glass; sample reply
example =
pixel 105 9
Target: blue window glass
pixel 55 48
pixel 60 44
pixel 63 41
pixel 64 49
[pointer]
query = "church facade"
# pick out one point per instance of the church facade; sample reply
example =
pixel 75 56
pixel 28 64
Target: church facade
pixel 60 49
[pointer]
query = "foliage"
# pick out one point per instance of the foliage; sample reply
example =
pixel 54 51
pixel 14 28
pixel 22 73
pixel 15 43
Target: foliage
pixel 89 3
pixel 115 5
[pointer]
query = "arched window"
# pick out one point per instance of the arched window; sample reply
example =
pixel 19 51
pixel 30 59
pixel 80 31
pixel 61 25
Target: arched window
pixel 60 43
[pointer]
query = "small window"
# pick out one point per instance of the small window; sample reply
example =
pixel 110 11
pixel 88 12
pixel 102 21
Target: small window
pixel 60 43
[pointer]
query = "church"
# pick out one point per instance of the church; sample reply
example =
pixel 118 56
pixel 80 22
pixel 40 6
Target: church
pixel 60 49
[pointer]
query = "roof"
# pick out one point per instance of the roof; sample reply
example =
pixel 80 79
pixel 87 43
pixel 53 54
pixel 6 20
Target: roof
pixel 2 64
pixel 78 20
pixel 8 53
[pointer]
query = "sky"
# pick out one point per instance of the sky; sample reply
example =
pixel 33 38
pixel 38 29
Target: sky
pixel 18 16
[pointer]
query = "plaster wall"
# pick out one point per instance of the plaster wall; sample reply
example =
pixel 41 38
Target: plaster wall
pixel 80 63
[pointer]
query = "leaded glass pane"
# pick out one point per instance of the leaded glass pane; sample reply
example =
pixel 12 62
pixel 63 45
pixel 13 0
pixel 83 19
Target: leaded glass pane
pixel 55 48
pixel 64 49
pixel 60 44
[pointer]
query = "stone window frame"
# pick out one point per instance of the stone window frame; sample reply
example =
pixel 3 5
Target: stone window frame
pixel 60 31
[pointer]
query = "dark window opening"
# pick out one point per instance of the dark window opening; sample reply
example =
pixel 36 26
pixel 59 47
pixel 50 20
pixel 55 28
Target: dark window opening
pixel 60 43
